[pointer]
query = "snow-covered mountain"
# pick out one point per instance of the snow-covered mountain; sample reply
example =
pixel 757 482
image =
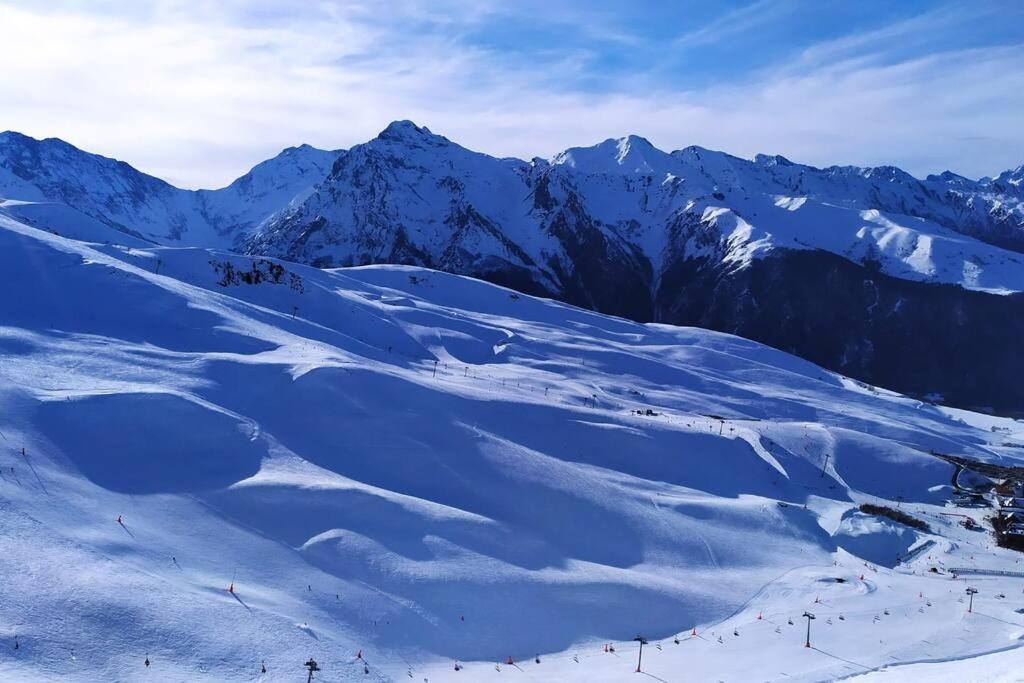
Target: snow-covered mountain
pixel 235 210
pixel 394 469
pixel 839 265
pixel 848 267
pixel 412 195
pixel 122 197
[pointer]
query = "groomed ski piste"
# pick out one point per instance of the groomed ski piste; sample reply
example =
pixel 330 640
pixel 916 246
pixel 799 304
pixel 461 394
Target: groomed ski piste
pixel 214 465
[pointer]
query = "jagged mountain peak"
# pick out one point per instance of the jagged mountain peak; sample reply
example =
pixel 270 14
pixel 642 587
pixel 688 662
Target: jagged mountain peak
pixel 772 160
pixel 631 154
pixel 407 131
pixel 270 185
pixel 952 179
pixel 126 199
pixel 288 162
pixel 697 156
pixel 15 145
pixel 14 136
pixel 1014 177
pixel 885 173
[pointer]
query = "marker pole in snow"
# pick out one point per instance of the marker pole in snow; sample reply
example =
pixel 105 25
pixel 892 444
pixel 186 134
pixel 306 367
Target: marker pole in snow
pixel 970 605
pixel 809 618
pixel 640 657
pixel 824 465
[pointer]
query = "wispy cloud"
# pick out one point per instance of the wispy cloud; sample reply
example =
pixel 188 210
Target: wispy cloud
pixel 734 22
pixel 198 92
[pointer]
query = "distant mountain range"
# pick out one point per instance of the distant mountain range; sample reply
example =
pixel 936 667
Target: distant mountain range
pixel 905 283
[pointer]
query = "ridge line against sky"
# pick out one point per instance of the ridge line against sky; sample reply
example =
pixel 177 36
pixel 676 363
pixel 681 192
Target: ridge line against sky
pixel 196 92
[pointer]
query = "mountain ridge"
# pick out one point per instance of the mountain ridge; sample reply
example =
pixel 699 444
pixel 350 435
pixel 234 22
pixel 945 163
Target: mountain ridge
pixel 692 236
pixel 144 205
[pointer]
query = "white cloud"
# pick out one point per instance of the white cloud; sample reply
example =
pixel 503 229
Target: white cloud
pixel 734 22
pixel 199 95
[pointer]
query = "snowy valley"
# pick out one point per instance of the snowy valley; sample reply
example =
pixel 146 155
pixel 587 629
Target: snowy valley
pixel 218 467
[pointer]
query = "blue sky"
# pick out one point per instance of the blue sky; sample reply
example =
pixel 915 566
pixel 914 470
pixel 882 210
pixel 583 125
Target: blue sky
pixel 197 92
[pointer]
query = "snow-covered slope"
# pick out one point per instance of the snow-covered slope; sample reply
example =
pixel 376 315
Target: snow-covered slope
pixel 843 266
pixel 420 468
pixel 114 193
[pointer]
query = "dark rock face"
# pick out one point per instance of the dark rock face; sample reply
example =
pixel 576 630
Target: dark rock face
pixel 607 274
pixel 934 342
pixel 958 346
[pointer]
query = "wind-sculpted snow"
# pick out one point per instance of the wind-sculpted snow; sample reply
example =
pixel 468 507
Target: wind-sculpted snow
pixel 422 467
